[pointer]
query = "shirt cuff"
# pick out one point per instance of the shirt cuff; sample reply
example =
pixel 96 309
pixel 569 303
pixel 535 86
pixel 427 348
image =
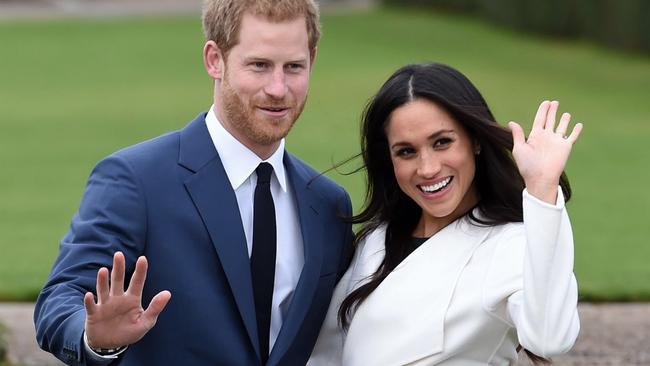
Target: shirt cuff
pixel 90 353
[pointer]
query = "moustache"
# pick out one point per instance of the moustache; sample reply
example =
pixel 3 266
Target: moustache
pixel 279 103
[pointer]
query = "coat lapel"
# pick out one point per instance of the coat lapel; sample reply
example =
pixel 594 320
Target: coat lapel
pixel 211 191
pixel 309 205
pixel 422 284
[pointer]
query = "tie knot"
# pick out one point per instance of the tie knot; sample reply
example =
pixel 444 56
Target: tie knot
pixel 264 171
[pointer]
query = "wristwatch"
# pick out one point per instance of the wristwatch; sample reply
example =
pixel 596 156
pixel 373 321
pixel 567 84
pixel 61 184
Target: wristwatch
pixel 106 352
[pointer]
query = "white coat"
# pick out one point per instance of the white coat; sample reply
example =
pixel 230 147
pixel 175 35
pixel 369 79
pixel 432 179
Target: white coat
pixel 468 296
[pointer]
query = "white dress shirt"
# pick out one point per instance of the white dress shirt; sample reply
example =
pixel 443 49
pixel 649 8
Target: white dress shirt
pixel 240 163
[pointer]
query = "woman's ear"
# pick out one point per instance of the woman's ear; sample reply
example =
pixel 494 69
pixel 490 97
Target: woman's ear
pixel 213 60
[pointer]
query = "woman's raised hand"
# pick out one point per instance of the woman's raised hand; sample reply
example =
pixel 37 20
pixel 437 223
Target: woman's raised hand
pixel 542 157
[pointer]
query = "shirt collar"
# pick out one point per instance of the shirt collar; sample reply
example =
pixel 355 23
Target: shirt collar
pixel 238 161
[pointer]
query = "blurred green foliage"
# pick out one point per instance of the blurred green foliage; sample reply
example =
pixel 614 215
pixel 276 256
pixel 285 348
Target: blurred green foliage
pixel 73 91
pixel 3 344
pixel 623 24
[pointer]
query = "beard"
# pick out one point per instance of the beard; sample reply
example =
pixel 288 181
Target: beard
pixel 252 124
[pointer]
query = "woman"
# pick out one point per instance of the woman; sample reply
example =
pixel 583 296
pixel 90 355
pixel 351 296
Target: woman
pixel 464 255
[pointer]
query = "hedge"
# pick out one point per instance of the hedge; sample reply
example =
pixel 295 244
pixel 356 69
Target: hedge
pixel 617 23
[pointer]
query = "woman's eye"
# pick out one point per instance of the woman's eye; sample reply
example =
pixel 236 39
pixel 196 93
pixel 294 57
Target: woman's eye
pixel 442 142
pixel 407 151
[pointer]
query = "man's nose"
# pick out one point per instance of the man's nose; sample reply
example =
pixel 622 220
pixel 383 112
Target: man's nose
pixel 277 84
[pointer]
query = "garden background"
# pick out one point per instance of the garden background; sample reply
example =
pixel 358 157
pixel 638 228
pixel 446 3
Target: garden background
pixel 73 91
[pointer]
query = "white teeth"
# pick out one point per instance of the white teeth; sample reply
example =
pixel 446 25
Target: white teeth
pixel 436 187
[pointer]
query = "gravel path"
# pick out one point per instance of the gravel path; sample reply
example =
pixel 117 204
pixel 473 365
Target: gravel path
pixel 611 335
pixel 22 347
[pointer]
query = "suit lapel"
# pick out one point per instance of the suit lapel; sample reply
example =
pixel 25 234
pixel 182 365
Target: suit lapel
pixel 309 205
pixel 211 191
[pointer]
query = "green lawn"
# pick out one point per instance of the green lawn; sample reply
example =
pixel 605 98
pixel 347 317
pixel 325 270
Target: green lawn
pixel 72 92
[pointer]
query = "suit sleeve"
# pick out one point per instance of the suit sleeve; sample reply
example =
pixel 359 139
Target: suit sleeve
pixel 111 218
pixel 328 350
pixel 544 311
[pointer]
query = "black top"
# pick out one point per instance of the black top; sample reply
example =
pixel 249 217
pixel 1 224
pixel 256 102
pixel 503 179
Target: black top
pixel 416 242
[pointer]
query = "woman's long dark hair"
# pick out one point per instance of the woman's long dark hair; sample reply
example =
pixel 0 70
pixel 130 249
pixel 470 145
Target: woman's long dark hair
pixel 497 179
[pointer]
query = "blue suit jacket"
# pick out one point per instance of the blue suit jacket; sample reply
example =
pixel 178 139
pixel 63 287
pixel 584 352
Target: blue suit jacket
pixel 170 199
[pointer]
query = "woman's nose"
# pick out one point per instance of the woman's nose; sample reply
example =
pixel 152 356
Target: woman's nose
pixel 428 165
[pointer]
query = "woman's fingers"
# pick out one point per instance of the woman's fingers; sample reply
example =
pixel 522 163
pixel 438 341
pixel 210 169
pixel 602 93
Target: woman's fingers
pixel 550 116
pixel 540 116
pixel 545 119
pixel 518 136
pixel 564 124
pixel 575 133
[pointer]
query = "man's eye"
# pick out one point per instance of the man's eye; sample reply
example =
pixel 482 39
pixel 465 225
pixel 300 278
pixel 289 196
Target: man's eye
pixel 294 67
pixel 259 65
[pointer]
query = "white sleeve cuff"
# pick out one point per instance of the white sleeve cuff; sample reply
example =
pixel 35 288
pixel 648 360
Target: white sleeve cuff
pixel 559 202
pixel 90 353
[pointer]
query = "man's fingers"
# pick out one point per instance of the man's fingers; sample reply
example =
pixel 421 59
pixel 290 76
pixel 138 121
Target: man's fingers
pixel 577 129
pixel 540 117
pixel 517 133
pixel 156 306
pixel 139 276
pixel 102 285
pixel 89 303
pixel 117 275
pixel 551 115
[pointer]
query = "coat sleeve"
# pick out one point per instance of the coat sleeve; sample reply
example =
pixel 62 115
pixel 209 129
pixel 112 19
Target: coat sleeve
pixel 544 311
pixel 111 218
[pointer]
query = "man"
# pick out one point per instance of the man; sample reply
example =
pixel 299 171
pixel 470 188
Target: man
pixel 223 248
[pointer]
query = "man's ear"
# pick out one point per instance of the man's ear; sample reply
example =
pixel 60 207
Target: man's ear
pixel 312 57
pixel 213 60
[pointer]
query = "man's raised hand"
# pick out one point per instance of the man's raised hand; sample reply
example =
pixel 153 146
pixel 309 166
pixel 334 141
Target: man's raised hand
pixel 117 318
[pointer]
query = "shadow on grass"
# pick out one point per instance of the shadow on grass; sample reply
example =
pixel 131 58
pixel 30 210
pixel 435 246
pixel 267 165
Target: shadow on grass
pixel 20 296
pixel 600 296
